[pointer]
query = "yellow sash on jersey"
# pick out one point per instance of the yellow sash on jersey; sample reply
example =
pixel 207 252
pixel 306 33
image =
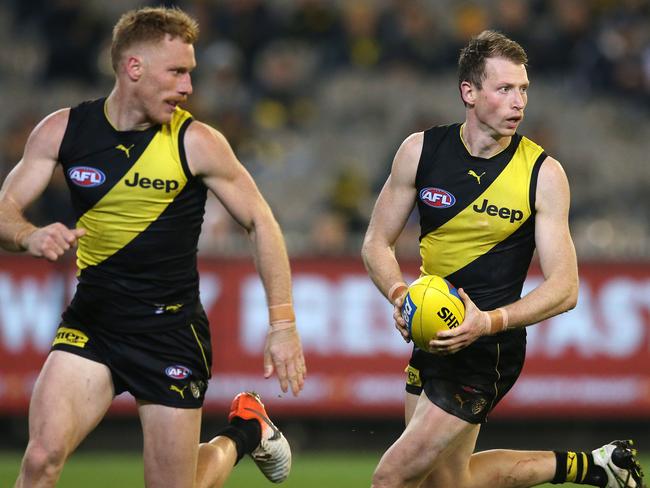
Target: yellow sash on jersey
pixel 137 200
pixel 498 212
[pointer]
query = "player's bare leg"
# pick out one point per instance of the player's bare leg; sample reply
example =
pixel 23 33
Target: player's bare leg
pixel 429 434
pixel 251 432
pixel 494 469
pixel 70 397
pixel 171 445
pixel 216 461
pixel 612 466
pixel 459 466
pixel 436 449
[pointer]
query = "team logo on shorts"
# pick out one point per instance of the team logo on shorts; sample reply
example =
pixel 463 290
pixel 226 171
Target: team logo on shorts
pixel 86 176
pixel 479 405
pixel 412 376
pixel 178 372
pixel 436 197
pixel 70 337
pixel 194 388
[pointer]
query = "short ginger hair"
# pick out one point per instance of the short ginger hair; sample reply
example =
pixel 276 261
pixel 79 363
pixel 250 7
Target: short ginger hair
pixel 151 25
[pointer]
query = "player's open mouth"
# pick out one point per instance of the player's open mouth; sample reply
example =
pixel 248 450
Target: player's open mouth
pixel 513 121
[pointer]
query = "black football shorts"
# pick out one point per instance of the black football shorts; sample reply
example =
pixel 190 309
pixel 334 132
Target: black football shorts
pixel 170 367
pixel 469 383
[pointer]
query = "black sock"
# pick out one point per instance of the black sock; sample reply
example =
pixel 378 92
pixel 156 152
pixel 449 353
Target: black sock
pixel 246 434
pixel 578 467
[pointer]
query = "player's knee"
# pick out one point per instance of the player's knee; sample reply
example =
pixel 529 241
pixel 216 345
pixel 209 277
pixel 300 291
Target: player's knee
pixel 43 462
pixel 396 470
pixel 384 478
pixel 389 477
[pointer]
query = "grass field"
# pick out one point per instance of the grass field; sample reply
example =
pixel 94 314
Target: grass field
pixel 110 470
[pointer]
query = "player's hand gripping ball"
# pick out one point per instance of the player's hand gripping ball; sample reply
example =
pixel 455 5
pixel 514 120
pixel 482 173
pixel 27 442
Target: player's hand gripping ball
pixel 432 304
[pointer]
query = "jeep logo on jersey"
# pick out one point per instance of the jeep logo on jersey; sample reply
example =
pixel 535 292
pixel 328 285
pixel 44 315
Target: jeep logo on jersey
pixel 437 198
pixel 177 372
pixel 156 184
pixel 86 176
pixel 511 214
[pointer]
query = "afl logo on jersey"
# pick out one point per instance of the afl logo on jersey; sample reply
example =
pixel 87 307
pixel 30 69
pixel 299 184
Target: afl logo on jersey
pixel 86 176
pixel 437 198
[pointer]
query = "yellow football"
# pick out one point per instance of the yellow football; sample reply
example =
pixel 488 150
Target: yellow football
pixel 432 304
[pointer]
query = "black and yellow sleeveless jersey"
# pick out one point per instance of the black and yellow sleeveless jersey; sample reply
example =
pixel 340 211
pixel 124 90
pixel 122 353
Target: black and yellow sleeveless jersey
pixel 142 210
pixel 477 215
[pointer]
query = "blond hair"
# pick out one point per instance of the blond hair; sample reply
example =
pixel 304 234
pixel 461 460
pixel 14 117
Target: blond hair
pixel 151 25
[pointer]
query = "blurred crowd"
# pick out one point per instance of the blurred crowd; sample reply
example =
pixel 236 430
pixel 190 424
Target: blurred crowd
pixel 316 95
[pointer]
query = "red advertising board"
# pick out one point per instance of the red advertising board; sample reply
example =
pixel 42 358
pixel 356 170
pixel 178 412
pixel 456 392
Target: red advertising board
pixel 592 361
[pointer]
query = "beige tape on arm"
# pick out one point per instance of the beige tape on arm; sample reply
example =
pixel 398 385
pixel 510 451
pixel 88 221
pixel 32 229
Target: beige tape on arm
pixel 282 316
pixel 498 320
pixel 24 227
pixel 397 290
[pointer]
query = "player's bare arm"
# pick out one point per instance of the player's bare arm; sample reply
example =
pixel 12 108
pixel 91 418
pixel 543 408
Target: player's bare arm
pixel 391 212
pixel 559 290
pixel 24 184
pixel 211 157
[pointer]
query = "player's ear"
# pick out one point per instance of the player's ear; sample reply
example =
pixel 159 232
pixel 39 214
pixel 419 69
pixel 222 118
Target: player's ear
pixel 467 93
pixel 133 66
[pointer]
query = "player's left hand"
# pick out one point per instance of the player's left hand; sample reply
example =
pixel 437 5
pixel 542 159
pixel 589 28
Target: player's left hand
pixel 472 327
pixel 283 354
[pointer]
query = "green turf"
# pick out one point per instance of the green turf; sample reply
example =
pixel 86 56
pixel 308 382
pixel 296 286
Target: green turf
pixel 108 470
pixel 344 470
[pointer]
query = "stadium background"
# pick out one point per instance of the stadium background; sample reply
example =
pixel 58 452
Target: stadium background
pixel 315 96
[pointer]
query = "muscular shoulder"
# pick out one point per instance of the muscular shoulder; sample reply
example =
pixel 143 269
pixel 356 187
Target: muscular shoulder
pixel 201 136
pixel 552 175
pixel 406 160
pixel 411 148
pixel 46 137
pixel 552 184
pixel 207 149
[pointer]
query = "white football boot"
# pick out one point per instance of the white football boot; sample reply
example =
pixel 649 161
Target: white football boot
pixel 618 459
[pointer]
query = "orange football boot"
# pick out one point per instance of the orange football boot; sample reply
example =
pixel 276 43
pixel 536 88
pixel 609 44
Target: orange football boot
pixel 273 454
